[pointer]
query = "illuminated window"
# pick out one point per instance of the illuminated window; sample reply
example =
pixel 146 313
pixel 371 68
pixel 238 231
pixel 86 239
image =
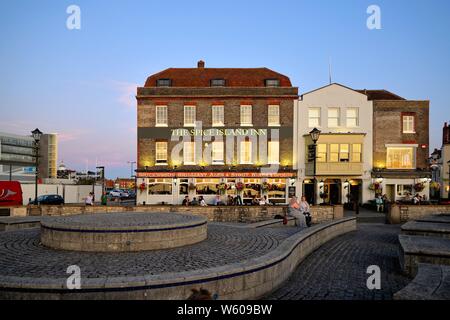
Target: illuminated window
pixel 400 158
pixel 274 115
pixel 161 116
pixel 217 152
pixel 334 152
pixel 333 117
pixel 206 186
pixel 160 186
pixel 408 124
pixel 189 153
pixel 352 117
pixel 217 116
pixel 161 152
pixel 246 152
pixel 314 117
pixel 274 152
pixel 321 152
pixel 246 115
pixel 356 152
pixel 344 153
pixel 189 116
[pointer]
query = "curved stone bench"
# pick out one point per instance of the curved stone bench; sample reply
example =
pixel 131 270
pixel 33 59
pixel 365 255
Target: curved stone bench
pixel 249 279
pixel 432 229
pixel 431 283
pixel 419 249
pixel 16 223
pixel 441 218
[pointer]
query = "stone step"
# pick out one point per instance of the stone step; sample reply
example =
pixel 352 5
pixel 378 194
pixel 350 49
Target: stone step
pixel 16 223
pixel 431 229
pixel 422 249
pixel 431 283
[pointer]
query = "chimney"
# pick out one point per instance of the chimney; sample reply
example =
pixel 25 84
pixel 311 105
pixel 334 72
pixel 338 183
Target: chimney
pixel 446 134
pixel 201 64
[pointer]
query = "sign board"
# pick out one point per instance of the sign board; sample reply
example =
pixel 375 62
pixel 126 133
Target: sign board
pixel 291 192
pixel 215 175
pixel 311 153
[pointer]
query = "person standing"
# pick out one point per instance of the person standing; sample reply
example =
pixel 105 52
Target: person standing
pixel 89 201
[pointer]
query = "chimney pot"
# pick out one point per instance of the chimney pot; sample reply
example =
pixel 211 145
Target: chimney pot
pixel 201 64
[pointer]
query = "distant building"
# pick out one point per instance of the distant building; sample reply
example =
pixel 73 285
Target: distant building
pixel 124 183
pixel 17 157
pixel 440 164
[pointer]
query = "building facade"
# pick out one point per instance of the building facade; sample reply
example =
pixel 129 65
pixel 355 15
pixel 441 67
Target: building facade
pixel 344 149
pixel 17 157
pixel 440 166
pixel 401 145
pixel 215 131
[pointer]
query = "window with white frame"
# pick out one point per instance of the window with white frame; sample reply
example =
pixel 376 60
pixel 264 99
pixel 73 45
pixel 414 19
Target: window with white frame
pixel 321 152
pixel 314 117
pixel 161 116
pixel 189 153
pixel 274 115
pixel 246 115
pixel 189 116
pixel 400 158
pixel 217 116
pixel 356 152
pixel 161 152
pixel 352 117
pixel 408 124
pixel 273 152
pixel 217 152
pixel 246 152
pixel 333 117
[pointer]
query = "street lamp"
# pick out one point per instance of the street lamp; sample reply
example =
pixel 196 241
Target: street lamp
pixel 315 135
pixel 132 163
pixel 37 134
pixel 102 168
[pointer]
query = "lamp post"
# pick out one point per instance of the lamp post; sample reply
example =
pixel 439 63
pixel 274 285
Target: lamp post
pixel 315 135
pixel 37 134
pixel 131 163
pixel 448 191
pixel 102 168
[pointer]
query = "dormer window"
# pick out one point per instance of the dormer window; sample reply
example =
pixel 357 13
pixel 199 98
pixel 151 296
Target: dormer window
pixel 164 83
pixel 218 83
pixel 272 83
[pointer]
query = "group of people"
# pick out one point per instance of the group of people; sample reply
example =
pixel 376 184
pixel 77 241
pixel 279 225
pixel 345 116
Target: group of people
pixel 195 202
pixel 300 210
pixel 230 201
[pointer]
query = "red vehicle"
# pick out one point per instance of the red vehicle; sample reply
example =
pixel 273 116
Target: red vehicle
pixel 10 194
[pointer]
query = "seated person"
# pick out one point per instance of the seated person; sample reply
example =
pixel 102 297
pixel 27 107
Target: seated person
pixel 202 202
pixel 194 202
pixel 185 201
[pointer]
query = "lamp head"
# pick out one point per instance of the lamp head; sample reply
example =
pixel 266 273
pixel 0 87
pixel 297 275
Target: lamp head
pixel 37 134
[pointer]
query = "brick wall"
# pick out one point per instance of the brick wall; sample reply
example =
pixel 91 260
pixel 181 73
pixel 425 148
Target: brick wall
pixel 388 128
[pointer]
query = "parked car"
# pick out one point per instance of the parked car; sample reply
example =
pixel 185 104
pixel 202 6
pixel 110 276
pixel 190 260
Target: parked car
pixel 115 193
pixel 49 199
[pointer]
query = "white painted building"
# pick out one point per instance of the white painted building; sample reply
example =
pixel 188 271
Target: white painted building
pixel 344 149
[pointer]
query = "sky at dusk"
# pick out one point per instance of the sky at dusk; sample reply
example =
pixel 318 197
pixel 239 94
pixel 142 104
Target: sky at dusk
pixel 81 83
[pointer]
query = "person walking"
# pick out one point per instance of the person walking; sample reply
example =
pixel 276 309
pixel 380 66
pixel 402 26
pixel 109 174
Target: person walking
pixel 294 211
pixel 89 201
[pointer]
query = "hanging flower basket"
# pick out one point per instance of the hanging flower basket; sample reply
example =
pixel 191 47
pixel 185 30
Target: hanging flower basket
pixel 419 187
pixel 240 186
pixel 375 186
pixel 142 187
pixel 436 186
pixel 222 187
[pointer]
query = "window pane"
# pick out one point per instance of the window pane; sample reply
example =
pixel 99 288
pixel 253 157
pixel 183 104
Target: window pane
pixel 321 153
pixel 217 116
pixel 274 115
pixel 344 153
pixel 189 115
pixel 161 152
pixel 333 117
pixel 189 152
pixel 246 115
pixel 314 117
pixel 352 117
pixel 246 152
pixel 161 115
pixel 400 158
pixel 408 124
pixel 217 152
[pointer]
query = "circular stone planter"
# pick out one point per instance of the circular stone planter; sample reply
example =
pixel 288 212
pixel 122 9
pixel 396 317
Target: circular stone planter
pixel 122 232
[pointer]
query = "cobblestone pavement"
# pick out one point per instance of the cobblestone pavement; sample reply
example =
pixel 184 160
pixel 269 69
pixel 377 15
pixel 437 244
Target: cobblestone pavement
pixel 22 255
pixel 337 270
pixel 121 220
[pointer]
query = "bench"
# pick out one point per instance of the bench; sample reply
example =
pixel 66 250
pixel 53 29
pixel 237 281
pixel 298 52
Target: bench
pixel 420 249
pixel 431 283
pixel 16 223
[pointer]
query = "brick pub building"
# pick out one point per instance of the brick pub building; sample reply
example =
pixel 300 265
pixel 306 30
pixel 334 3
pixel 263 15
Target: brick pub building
pixel 215 131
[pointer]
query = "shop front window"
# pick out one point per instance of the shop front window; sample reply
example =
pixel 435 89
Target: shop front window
pixel 252 188
pixel 404 190
pixel 277 188
pixel 160 187
pixel 400 158
pixel 231 190
pixel 207 186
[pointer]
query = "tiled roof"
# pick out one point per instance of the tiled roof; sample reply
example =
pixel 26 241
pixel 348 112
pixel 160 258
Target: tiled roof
pixel 234 77
pixel 380 95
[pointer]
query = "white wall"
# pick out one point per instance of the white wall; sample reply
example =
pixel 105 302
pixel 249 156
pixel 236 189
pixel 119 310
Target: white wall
pixel 334 96
pixel 71 193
